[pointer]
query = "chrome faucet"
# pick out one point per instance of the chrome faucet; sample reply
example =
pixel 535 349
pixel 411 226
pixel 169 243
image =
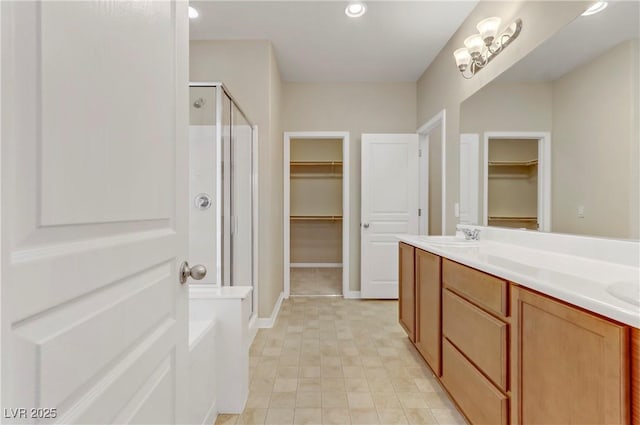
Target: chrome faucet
pixel 471 234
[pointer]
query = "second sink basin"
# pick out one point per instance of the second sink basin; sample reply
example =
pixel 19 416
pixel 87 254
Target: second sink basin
pixel 626 290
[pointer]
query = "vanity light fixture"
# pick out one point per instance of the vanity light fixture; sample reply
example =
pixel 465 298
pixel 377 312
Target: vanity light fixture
pixel 355 9
pixel 193 12
pixel 596 7
pixel 480 48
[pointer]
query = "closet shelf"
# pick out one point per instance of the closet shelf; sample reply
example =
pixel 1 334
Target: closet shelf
pixel 512 218
pixel 315 163
pixel 316 175
pixel 529 163
pixel 316 217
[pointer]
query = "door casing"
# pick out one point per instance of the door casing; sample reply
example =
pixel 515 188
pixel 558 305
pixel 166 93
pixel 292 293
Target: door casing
pixel 346 169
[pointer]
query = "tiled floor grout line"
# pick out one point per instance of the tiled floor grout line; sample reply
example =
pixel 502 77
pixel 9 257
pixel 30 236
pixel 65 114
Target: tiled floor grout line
pixel 326 339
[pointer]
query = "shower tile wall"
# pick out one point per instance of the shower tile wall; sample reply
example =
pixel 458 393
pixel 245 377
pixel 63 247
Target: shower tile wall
pixel 202 177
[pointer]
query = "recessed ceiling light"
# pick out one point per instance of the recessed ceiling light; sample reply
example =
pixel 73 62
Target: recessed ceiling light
pixel 598 6
pixel 355 9
pixel 193 13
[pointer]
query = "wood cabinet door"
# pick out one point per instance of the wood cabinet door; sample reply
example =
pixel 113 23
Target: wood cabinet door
pixel 572 367
pixel 428 307
pixel 635 376
pixel 407 289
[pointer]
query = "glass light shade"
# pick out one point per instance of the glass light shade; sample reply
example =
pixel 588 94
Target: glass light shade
pixel 488 28
pixel 355 9
pixel 474 44
pixel 463 58
pixel 598 6
pixel 509 31
pixel 193 12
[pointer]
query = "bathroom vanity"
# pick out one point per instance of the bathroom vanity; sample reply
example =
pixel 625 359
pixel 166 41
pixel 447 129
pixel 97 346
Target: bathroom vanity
pixel 525 335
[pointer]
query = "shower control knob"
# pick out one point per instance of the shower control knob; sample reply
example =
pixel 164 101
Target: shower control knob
pixel 203 201
pixel 196 272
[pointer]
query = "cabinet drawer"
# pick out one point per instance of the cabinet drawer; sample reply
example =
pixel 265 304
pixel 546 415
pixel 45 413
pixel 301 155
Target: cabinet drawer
pixel 485 290
pixel 479 400
pixel 480 336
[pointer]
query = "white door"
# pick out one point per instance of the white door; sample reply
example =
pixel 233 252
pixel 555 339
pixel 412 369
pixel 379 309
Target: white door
pixel 389 207
pixel 93 166
pixel 469 211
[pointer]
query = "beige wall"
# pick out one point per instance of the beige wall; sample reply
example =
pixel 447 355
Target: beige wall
pixel 508 106
pixel 249 71
pixel 595 146
pixel 357 108
pixel 271 198
pixel 441 86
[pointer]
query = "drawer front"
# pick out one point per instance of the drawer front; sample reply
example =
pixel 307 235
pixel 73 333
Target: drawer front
pixel 485 290
pixel 480 336
pixel 479 400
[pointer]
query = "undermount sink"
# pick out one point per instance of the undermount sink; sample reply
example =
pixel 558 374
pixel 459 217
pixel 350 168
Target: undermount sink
pixel 449 241
pixel 626 290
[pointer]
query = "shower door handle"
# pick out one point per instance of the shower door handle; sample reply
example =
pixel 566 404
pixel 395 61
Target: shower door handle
pixel 197 272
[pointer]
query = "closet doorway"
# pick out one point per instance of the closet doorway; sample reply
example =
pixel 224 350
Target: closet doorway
pixel 316 213
pixel 517 180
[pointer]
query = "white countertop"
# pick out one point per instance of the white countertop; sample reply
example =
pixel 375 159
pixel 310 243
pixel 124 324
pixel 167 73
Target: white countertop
pixel 580 281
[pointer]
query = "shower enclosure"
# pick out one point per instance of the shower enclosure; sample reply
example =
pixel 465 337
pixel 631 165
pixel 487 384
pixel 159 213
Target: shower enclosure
pixel 221 186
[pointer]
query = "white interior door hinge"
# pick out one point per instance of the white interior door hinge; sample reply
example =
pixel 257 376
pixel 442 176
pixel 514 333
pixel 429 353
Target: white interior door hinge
pixel 419 153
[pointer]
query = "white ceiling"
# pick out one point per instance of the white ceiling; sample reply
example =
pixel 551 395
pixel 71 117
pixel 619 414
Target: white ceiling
pixel 582 40
pixel 314 41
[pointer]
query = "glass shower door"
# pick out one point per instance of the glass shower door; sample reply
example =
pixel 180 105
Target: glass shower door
pixel 222 179
pixel 241 191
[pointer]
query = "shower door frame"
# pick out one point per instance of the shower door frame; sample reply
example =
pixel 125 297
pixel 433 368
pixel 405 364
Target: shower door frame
pixel 221 90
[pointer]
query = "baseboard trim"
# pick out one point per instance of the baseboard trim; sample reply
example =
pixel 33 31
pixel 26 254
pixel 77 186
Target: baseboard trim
pixel 212 415
pixel 253 328
pixel 270 321
pixel 352 295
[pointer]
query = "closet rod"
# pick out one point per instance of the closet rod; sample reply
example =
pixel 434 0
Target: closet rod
pixel 511 218
pixel 316 217
pixel 315 163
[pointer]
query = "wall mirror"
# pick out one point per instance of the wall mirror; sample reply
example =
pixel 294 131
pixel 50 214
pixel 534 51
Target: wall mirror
pixel 555 138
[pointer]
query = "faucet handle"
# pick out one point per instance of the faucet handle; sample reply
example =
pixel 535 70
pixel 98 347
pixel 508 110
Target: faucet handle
pixel 471 234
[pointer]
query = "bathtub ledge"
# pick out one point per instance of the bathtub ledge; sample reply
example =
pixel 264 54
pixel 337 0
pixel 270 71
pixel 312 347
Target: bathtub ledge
pixel 205 291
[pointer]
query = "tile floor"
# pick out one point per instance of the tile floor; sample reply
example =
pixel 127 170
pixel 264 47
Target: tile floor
pixel 336 361
pixel 316 281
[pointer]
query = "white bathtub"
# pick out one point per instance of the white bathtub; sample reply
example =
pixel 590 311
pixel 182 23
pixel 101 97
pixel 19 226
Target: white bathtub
pixel 229 308
pixel 202 363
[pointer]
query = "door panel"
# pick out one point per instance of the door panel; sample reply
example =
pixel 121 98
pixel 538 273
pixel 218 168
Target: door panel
pixel 429 308
pixel 572 367
pixel 389 207
pixel 93 166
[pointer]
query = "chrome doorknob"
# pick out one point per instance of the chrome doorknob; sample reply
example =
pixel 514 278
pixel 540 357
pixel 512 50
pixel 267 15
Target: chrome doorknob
pixel 196 272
